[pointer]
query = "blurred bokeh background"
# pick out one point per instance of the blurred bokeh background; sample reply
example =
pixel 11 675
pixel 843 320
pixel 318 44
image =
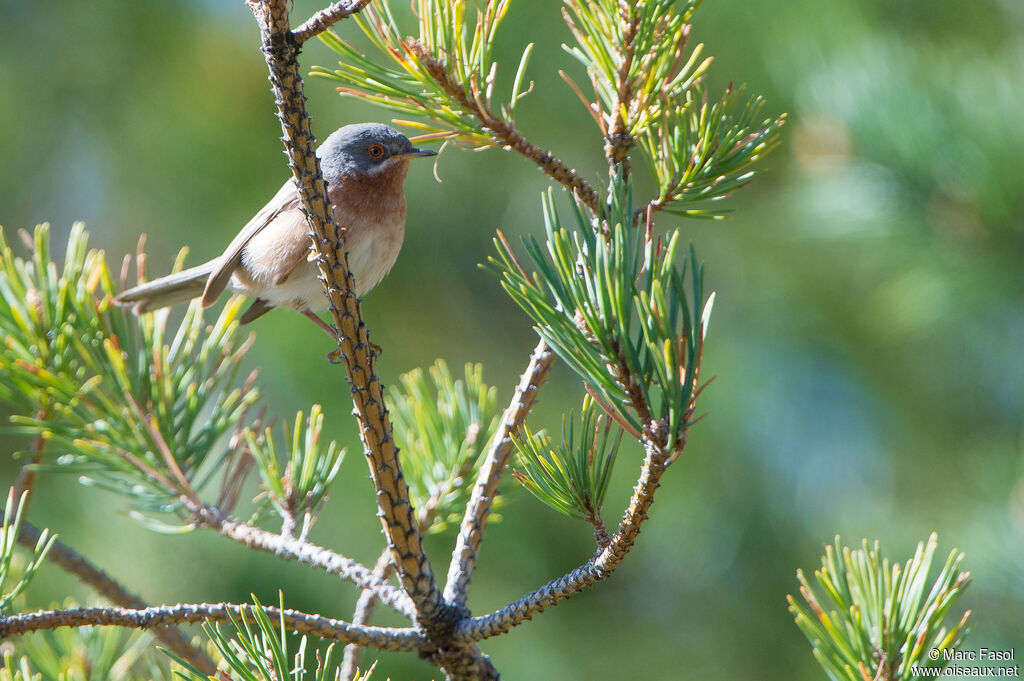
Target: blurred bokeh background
pixel 867 338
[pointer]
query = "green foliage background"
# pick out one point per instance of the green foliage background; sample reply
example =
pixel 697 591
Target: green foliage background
pixel 867 337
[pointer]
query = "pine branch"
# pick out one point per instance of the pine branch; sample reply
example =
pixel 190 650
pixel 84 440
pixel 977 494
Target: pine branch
pixel 396 513
pixel 571 475
pixel 72 562
pixel 303 552
pixel 504 132
pixel 618 141
pixel 443 425
pixel 463 562
pixel 363 612
pixel 327 17
pixel 384 568
pixel 383 638
pixel 446 76
pixel 26 481
pixel 594 570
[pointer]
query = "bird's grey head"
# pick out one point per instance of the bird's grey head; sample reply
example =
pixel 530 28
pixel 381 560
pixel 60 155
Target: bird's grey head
pixel 365 148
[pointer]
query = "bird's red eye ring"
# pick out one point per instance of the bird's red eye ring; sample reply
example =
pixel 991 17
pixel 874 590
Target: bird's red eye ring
pixel 376 151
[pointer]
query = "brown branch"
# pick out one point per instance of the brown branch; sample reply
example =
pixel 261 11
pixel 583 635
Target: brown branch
pixel 384 567
pixel 325 18
pixel 384 638
pixel 363 613
pixel 594 570
pixel 396 513
pixel 628 382
pixel 78 565
pixel 26 481
pixel 503 131
pixel 618 141
pixel 460 571
pixel 309 554
pixel 184 487
pixel 601 535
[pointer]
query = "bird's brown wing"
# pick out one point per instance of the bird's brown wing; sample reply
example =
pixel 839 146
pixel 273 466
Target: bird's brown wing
pixel 285 199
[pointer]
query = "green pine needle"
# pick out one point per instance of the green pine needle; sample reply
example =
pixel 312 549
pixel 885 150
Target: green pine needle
pixel 700 150
pixel 299 487
pixel 259 651
pixel 9 531
pixel 126 402
pixel 442 426
pixel 621 309
pixel 573 476
pixel 397 79
pixel 886 622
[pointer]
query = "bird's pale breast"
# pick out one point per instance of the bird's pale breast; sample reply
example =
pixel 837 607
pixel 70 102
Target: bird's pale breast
pixel 275 262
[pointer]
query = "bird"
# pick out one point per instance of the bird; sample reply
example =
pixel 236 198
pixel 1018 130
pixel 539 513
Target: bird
pixel 270 259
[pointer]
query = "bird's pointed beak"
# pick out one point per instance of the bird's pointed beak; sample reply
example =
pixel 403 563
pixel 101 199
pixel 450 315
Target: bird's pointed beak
pixel 418 153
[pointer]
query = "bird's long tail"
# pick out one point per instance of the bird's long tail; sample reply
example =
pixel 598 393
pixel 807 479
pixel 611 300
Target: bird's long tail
pixel 169 290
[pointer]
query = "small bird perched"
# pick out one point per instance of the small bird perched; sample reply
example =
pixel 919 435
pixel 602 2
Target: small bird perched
pixel 270 259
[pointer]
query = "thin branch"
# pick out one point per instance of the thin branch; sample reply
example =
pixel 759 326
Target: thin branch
pixel 396 513
pixel 26 481
pixel 618 141
pixel 363 612
pixel 594 570
pixel 460 571
pixel 309 554
pixel 601 535
pixel 184 487
pixel 78 565
pixel 384 638
pixel 504 131
pixel 625 378
pixel 327 17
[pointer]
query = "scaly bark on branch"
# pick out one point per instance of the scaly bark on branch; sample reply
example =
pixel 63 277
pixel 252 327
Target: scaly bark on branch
pixel 467 546
pixel 71 561
pixel 619 141
pixel 383 568
pixel 396 513
pixel 384 638
pixel 306 553
pixel 594 570
pixel 505 132
pixel 325 18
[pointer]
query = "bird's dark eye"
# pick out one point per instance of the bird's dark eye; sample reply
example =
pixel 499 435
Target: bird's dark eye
pixel 375 151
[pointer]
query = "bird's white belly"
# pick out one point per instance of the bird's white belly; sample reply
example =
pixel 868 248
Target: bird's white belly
pixel 302 288
pixel 372 251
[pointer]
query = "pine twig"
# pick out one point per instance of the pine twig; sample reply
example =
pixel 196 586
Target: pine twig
pixel 460 571
pixel 303 552
pixel 594 570
pixel 504 131
pixel 363 612
pixel 327 17
pixel 618 141
pixel 396 513
pixel 72 562
pixel 384 638
pixel 26 481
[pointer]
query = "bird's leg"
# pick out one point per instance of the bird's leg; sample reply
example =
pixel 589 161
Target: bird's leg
pixel 329 330
pixel 334 355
